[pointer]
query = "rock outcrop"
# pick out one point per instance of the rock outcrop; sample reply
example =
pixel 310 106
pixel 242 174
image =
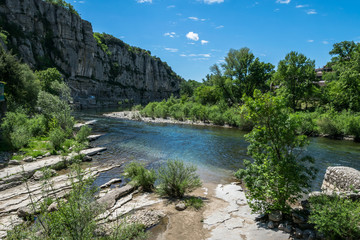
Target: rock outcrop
pixel 341 179
pixel 98 73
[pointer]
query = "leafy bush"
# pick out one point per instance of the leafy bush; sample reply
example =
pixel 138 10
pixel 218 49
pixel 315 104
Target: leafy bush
pixel 329 123
pixel 194 202
pixel 57 137
pixel 216 116
pixel 161 110
pixel 20 137
pixel 37 125
pixel 83 133
pixel 140 176
pixel 176 179
pixel 336 217
pixel 307 124
pixel 148 110
pixel 127 231
pixel 137 108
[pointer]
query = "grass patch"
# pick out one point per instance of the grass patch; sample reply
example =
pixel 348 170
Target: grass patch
pixel 194 202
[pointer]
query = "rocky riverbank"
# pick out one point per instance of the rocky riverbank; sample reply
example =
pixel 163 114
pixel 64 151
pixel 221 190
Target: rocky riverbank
pixel 136 116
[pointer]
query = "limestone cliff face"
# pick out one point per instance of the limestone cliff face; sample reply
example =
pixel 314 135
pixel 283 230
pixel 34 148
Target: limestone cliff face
pixel 45 35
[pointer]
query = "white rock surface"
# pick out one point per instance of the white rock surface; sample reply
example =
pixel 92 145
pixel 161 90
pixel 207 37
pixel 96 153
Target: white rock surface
pixel 235 221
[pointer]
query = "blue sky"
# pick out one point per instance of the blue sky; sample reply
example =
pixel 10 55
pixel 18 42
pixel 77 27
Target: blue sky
pixel 192 35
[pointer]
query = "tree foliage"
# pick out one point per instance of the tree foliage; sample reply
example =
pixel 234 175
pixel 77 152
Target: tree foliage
pixel 295 78
pixel 279 173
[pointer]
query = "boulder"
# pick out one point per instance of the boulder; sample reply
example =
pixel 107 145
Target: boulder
pixel 297 218
pixel 281 226
pixel 180 206
pixel 271 225
pixel 24 212
pixel 288 228
pixel 14 162
pixel 87 159
pixel 309 234
pixel 29 159
pixel 298 233
pixel 47 154
pixel 53 207
pixel 275 216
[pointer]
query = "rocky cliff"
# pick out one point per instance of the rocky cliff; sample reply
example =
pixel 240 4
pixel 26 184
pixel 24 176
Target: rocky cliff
pixel 100 71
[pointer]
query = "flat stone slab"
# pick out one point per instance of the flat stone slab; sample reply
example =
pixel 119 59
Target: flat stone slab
pixel 235 221
pixel 79 125
pixel 94 137
pixel 92 151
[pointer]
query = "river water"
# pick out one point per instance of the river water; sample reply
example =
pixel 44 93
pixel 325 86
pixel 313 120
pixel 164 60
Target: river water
pixel 216 151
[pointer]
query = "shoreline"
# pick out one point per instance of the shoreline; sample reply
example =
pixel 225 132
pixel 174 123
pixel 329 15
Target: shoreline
pixel 136 116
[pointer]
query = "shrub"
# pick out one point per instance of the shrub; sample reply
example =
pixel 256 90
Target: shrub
pixel 335 216
pixel 176 179
pixel 83 133
pixel 137 108
pixel 57 137
pixel 20 137
pixel 161 110
pixel 216 116
pixel 148 110
pixel 307 124
pixel 140 176
pixel 127 231
pixel 37 125
pixel 194 202
pixel 328 124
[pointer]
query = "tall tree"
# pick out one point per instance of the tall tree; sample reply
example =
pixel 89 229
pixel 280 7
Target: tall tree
pixel 279 172
pixel 295 77
pixel 343 84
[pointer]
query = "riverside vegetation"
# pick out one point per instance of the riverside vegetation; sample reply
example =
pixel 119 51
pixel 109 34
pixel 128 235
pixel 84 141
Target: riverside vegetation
pixel 38 119
pixel 280 108
pixel 332 110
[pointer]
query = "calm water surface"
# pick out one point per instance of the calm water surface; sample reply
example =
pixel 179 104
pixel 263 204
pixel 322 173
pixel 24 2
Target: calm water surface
pixel 217 152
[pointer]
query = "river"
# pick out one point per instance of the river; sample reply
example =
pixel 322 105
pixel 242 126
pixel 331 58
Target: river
pixel 216 151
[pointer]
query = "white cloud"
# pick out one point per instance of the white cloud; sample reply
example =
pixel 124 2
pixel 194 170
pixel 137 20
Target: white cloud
pixel 325 42
pixel 283 1
pixel 173 50
pixel 204 42
pixel 213 1
pixel 144 1
pixel 218 27
pixel 197 19
pixel 310 41
pixel 301 6
pixel 202 55
pixel 311 11
pixel 170 34
pixel 193 36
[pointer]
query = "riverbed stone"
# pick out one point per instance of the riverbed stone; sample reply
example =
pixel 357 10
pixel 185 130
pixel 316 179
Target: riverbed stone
pixel 29 159
pixel 53 207
pixel 288 228
pixel 109 183
pixel 87 159
pixel 281 226
pixel 275 216
pixel 14 162
pixel 180 206
pixel 298 233
pixel 309 234
pixel 24 212
pixel 270 225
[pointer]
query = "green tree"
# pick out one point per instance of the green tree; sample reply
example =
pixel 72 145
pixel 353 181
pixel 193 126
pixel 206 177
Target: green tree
pixel 188 87
pixel 279 173
pixel 343 84
pixel 47 78
pixel 241 74
pixel 21 86
pixel 295 77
